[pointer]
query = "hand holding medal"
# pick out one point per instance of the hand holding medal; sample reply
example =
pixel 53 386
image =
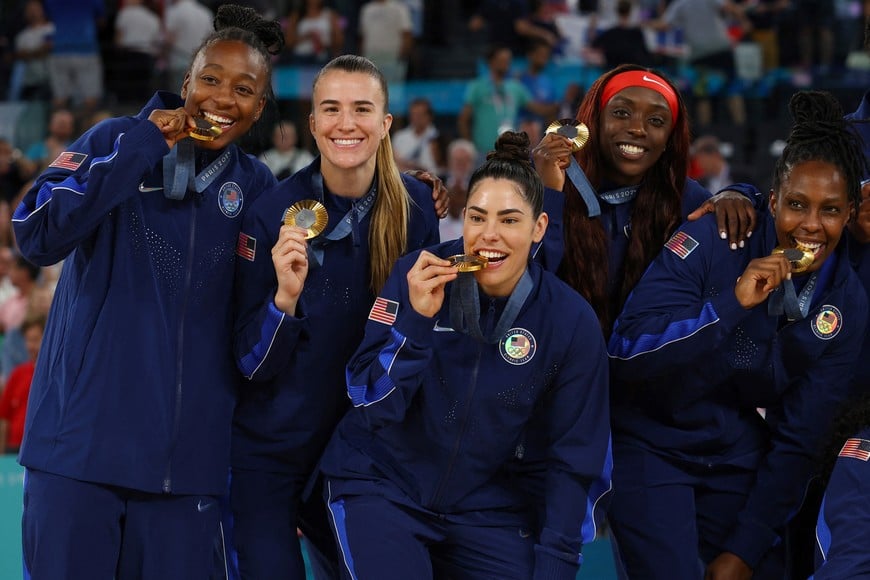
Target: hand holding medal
pixel 205 130
pixel 552 155
pixel 799 258
pixel 426 281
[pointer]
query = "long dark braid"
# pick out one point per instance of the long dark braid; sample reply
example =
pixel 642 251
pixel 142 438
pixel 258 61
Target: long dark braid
pixel 821 134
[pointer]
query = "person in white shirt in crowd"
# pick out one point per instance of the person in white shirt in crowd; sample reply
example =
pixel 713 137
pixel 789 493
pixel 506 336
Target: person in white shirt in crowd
pixel 138 39
pixel 386 36
pixel 285 157
pixel 461 163
pixel 186 23
pixel 417 146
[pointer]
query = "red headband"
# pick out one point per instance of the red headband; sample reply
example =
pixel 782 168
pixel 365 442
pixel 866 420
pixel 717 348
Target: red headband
pixel 647 80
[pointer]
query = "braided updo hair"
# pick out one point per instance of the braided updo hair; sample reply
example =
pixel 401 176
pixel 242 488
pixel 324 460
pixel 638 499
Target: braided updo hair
pixel 511 160
pixel 821 134
pixel 244 24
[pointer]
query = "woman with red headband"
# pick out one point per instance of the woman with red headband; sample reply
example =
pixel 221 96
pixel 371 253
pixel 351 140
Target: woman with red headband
pixel 626 191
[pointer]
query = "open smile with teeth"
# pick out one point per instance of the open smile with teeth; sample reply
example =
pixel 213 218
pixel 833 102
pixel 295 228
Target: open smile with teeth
pixel 813 247
pixel 492 256
pixel 631 149
pixel 346 142
pixel 222 122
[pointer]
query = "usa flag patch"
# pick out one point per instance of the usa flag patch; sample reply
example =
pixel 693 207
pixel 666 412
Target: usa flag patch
pixel 384 311
pixel 69 160
pixel 247 246
pixel 856 449
pixel 682 244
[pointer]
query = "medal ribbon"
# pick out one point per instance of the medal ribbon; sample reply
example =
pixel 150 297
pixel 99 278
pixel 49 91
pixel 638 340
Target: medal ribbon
pixel 179 167
pixel 784 300
pixel 465 307
pixel 349 224
pixel 587 192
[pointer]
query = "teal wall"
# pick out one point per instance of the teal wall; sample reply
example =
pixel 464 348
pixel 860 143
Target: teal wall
pixel 11 484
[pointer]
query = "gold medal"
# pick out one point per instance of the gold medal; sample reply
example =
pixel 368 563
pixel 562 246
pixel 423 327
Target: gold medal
pixel 468 262
pixel 574 130
pixel 799 259
pixel 205 130
pixel 308 214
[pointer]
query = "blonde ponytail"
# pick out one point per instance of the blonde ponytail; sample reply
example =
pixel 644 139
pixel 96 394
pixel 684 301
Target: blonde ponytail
pixel 388 230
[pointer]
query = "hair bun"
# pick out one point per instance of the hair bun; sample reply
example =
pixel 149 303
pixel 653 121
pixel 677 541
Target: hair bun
pixel 810 107
pixel 511 146
pixel 235 16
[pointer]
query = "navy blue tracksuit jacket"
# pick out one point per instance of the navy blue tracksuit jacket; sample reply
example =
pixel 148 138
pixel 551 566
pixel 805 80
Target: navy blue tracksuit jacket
pixel 438 416
pixel 690 366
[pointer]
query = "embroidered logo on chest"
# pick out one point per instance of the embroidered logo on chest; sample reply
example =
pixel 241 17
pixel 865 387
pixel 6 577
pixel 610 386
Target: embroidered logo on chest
pixel 230 199
pixel 517 346
pixel 827 323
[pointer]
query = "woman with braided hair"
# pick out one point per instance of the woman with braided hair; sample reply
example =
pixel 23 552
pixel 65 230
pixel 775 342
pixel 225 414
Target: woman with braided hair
pixel 703 483
pixel 127 444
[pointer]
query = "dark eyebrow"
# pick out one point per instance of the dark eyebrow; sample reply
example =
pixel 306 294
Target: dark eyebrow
pixel 218 66
pixel 335 102
pixel 502 212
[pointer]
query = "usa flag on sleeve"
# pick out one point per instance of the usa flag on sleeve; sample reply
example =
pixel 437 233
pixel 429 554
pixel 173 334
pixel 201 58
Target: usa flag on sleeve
pixel 384 311
pixel 247 246
pixel 69 160
pixel 682 244
pixel 856 449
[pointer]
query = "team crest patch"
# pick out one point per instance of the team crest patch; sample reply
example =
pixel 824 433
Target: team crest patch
pixel 69 160
pixel 517 347
pixel 827 323
pixel 856 449
pixel 682 244
pixel 230 199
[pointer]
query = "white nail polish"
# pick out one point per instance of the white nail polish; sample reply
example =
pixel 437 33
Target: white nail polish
pixel 733 246
pixel 723 235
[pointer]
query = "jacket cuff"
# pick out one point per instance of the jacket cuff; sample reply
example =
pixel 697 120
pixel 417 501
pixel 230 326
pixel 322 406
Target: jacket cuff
pixel 750 542
pixel 413 325
pixel 549 566
pixel 729 310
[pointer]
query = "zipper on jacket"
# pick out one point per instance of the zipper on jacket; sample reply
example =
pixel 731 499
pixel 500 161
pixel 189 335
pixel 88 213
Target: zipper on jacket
pixel 179 358
pixel 463 424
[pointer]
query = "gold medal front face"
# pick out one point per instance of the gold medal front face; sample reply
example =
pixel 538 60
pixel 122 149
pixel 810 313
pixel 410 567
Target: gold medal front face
pixel 800 259
pixel 205 130
pixel 572 129
pixel 309 215
pixel 468 262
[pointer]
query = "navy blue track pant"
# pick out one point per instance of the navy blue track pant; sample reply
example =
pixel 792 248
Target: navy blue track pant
pixel 669 519
pixel 75 529
pixel 382 540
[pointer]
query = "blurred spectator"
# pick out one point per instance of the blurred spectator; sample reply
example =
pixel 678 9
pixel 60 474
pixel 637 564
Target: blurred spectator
pixel 493 101
pixel 815 20
pixel 61 130
pixel 186 24
pixel 504 22
pixel 314 33
pixel 764 16
pixel 623 43
pixel 461 163
pixel 711 52
pixel 23 276
pixel 417 146
pixel 285 158
pixel 75 64
pixel 385 36
pixel 541 87
pixel 14 172
pixel 13 402
pixel 32 47
pixel 713 170
pixel 7 289
pixel 540 25
pixel 14 351
pixel 138 39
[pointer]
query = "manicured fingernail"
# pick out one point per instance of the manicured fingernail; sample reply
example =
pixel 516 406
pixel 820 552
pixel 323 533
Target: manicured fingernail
pixel 788 276
pixel 723 235
pixel 741 244
pixel 749 234
pixel 733 246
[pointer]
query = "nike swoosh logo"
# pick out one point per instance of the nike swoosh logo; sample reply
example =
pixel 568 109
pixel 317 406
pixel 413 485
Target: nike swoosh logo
pixel 438 328
pixel 649 80
pixel 144 189
pixel 202 506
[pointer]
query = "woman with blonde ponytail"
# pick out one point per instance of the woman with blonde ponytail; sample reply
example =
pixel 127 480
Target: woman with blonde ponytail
pixel 302 306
